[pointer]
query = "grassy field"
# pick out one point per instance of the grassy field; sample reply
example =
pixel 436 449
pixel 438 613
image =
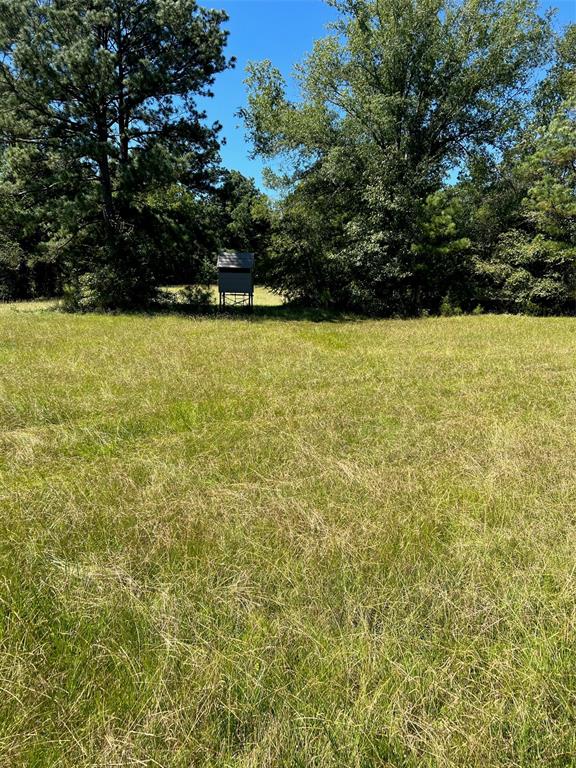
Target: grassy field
pixel 263 542
pixel 262 296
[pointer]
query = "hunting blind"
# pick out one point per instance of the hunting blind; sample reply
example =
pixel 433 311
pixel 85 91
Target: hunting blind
pixel 236 279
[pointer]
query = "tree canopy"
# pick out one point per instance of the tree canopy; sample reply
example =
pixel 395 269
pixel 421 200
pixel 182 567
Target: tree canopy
pixel 427 165
pixel 100 116
pixel 399 96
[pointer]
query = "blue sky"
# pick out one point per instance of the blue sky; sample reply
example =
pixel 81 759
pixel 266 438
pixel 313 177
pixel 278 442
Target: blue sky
pixel 283 31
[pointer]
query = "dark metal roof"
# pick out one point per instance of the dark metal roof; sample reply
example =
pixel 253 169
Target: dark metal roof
pixel 235 260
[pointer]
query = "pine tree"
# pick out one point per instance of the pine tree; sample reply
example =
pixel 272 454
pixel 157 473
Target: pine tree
pixel 103 93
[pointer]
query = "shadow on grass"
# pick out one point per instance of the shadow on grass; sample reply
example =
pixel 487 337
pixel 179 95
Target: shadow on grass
pixel 281 312
pixel 260 312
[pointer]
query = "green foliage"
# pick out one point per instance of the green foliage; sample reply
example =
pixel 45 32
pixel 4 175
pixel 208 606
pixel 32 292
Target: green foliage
pixel 304 262
pixel 448 307
pixel 534 275
pixel 10 269
pixel 530 265
pixel 113 283
pixel 100 96
pixel 245 211
pixel 183 228
pixel 390 101
pixel 559 84
pixel 442 265
pixel 244 218
pixel 550 204
pixel 196 297
pixel 109 178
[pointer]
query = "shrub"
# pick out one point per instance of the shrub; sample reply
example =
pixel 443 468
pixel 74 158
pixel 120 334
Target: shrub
pixel 196 298
pixel 449 308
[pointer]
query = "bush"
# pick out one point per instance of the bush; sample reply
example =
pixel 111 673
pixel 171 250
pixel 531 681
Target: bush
pixel 196 298
pixel 529 275
pixel 121 277
pixel 449 308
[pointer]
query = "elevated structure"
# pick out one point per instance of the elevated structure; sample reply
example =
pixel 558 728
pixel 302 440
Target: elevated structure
pixel 236 279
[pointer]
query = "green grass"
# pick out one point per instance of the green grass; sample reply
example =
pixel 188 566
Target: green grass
pixel 256 542
pixel 262 296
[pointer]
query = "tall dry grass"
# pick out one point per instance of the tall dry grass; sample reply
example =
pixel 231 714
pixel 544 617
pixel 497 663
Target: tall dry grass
pixel 255 543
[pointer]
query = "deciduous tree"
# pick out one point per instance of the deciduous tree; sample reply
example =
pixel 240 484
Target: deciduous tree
pixel 400 93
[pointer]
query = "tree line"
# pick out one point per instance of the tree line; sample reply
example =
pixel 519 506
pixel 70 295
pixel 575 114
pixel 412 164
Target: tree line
pixel 110 176
pixel 429 164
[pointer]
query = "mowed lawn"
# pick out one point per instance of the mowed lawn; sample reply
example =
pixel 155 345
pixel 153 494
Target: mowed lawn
pixel 264 542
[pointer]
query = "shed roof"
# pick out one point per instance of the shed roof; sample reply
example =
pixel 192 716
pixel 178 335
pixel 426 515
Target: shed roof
pixel 236 260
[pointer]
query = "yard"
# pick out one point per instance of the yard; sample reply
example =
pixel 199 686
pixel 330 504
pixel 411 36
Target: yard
pixel 271 542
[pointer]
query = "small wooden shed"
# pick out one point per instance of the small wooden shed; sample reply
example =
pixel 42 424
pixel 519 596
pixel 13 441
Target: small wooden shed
pixel 236 278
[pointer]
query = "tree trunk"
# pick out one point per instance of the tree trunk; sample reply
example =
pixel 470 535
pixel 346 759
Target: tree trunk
pixel 123 119
pixel 105 177
pixel 103 160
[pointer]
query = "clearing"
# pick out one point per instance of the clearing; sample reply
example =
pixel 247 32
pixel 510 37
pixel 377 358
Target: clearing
pixel 268 542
